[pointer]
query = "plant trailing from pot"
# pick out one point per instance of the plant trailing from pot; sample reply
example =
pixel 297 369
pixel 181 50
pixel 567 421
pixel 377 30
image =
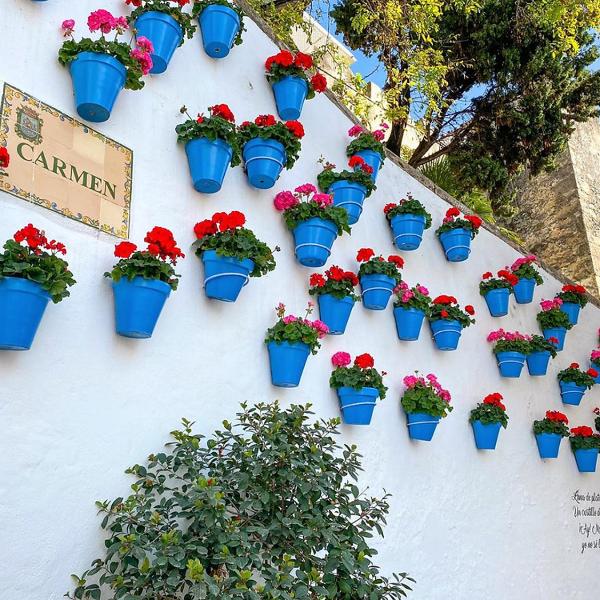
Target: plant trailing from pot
pixel 289 343
pixel 497 290
pixel 540 352
pixel 524 268
pixel 511 349
pixel 368 145
pixel 231 254
pixel 408 220
pixel 378 277
pixel 574 381
pixel 585 445
pixel 32 273
pixel 486 419
pixel 553 322
pixel 410 307
pixel 447 320
pixel 101 68
pixel 549 432
pixel 211 145
pixel 358 386
pixel 221 24
pixel 4 158
pixel 574 298
pixel 595 362
pixel 142 281
pixel 456 232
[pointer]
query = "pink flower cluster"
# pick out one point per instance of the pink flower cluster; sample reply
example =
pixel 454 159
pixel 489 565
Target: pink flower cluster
pixel 430 381
pixel 320 327
pixel 68 26
pixel 285 200
pixel 341 359
pixel 547 305
pixel 102 20
pixel 525 260
pixel 378 134
pixel 595 355
pixel 355 130
pixel 509 336
pixel 142 54
pixel 405 293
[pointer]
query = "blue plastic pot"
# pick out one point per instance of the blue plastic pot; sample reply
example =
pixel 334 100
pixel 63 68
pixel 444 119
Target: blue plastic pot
pixel 376 290
pixel 357 405
pixel 219 26
pixel 224 277
pixel 164 32
pixel 22 306
pixel 497 302
pixel 486 436
pixel 373 159
pixel 596 368
pixel 287 362
pixel 408 231
pixel 524 290
pixel 456 244
pixel 446 333
pixel 586 460
pixel 208 161
pixel 556 332
pixel 537 363
pixel 97 80
pixel 264 161
pixel 548 444
pixel 349 196
pixel 408 323
pixel 138 304
pixel 335 312
pixel 314 239
pixel 571 309
pixel 290 94
pixel 421 426
pixel 571 393
pixel 510 364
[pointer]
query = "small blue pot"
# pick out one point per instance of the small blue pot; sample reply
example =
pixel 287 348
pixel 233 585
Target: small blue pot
pixel 224 277
pixel 314 239
pixel 22 306
pixel 219 26
pixel 486 436
pixel 556 332
pixel 446 333
pixel 586 460
pixel 596 368
pixel 510 364
pixel 357 405
pixel 571 393
pixel 264 161
pixel 349 196
pixel 138 304
pixel 97 80
pixel 373 159
pixel 537 363
pixel 408 231
pixel 376 290
pixel 548 444
pixel 456 244
pixel 497 302
pixel 335 312
pixel 208 161
pixel 571 309
pixel 408 323
pixel 287 362
pixel 421 426
pixel 290 94
pixel 164 32
pixel 524 290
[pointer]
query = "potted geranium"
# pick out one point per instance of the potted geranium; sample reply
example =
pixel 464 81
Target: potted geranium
pixel 410 307
pixel 573 382
pixel 540 352
pixel 314 222
pixel 267 147
pixel 497 290
pixel 553 321
pixel 231 254
pixel 358 386
pixel 595 363
pixel 549 433
pixel 574 298
pixel 486 419
pixel 456 232
pixel 142 281
pixel 528 276
pixel 335 296
pixel 211 145
pixel 368 145
pixel 292 82
pixel 378 277
pixel 221 25
pixel 447 320
pixel 101 68
pixel 585 445
pixel 408 220
pixel 511 349
pixel 425 402
pixel 31 274
pixel 289 343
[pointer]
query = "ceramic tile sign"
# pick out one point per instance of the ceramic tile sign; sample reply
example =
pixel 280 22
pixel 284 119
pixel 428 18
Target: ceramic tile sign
pixel 63 165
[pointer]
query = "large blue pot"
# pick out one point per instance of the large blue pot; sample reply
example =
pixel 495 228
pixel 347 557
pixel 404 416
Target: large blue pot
pixel 208 161
pixel 97 80
pixel 537 363
pixel 586 460
pixel 287 362
pixel 314 239
pixel 264 161
pixel 290 93
pixel 376 290
pixel 421 426
pixel 571 393
pixel 373 159
pixel 456 244
pixel 497 301
pixel 138 304
pixel 224 277
pixel 556 332
pixel 524 290
pixel 596 368
pixel 335 312
pixel 446 333
pixel 571 309
pixel 548 444
pixel 510 364
pixel 22 306
pixel 219 26
pixel 486 436
pixel 164 32
pixel 349 196
pixel 357 405
pixel 408 231
pixel 408 323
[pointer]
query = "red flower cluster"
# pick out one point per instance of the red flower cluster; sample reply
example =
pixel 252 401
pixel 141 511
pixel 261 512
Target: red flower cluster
pixel 469 310
pixel 223 111
pixel 161 243
pixel 555 415
pixel 296 128
pixel 575 289
pixel 318 83
pixel 453 212
pixel 443 299
pixel 574 365
pixel 359 162
pixel 388 207
pixel 220 221
pixel 334 273
pixel 125 249
pixel 475 221
pixel 509 277
pixel 364 361
pixel 4 158
pixel 397 260
pixel 365 254
pixel 592 372
pixel 284 58
pixel 36 240
pixel 317 280
pixel 263 121
pixel 583 431
pixel 495 399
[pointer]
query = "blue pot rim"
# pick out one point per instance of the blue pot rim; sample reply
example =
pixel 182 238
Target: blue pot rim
pixel 161 16
pixel 268 141
pixel 344 183
pixel 142 282
pixel 410 309
pixel 408 217
pixel 216 142
pixel 572 385
pixel 289 345
pixel 345 299
pixel 221 8
pixel 322 222
pixel 552 435
pixel 422 414
pixel 213 255
pixel 496 424
pixel 24 285
pixel 511 353
pixel 539 352
pixel 452 322
pixel 292 78
pixel 377 276
pixel 586 451
pixel 372 152
pixel 498 291
pixel 365 391
pixel 456 231
pixel 102 58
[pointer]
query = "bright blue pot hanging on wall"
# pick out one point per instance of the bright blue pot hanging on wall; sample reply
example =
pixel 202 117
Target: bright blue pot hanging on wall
pixel 224 276
pixel 314 239
pixel 219 26
pixel 164 32
pixel 524 290
pixel 373 159
pixel 407 231
pixel 335 312
pixel 571 393
pixel 510 364
pixel 537 363
pixel 376 290
pixel 408 323
pixel 586 460
pixel 290 94
pixel 486 435
pixel 446 333
pixel 456 244
pixel 421 426
pixel 556 332
pixel 287 362
pixel 357 405
pixel 208 161
pixel 264 161
pixel 497 301
pixel 349 196
pixel 548 444
pixel 571 309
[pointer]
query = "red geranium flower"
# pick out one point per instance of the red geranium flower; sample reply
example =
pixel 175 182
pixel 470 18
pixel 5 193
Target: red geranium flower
pixel 318 82
pixel 583 431
pixel 555 415
pixel 364 254
pixel 125 249
pixel 444 313
pixel 265 120
pixel 351 277
pixel 296 128
pixel 592 373
pixel 304 61
pixel 335 273
pixel 469 310
pixel 356 161
pixel 487 275
pixel 364 361
pixel 4 158
pixel 200 119
pixel 317 280
pixel 443 299
pixel 574 366
pixel 453 212
pixel 397 260
pixel 206 227
pixel 222 110
pixel 283 58
pixel 474 220
pixel 388 207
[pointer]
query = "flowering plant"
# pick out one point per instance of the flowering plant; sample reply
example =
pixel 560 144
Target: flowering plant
pixel 573 374
pixel 554 422
pixel 173 8
pixel 504 280
pixel 156 262
pixel 337 282
pixel 447 307
pixel 573 293
pixel 597 418
pixel 551 316
pixel 595 357
pixel 509 341
pixel 425 395
pixel 491 410
pixel 407 206
pixel 454 220
pixel 361 374
pixel 4 157
pixel 361 174
pixel 415 297
pixel 367 140
pixel 225 233
pixel 200 5
pixel 285 64
pixel 584 438
pixel 297 329
pixel 371 264
pixel 30 255
pixel 523 268
pixel 538 343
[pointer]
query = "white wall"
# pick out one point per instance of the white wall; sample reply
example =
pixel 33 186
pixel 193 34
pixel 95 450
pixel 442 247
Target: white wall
pixel 84 404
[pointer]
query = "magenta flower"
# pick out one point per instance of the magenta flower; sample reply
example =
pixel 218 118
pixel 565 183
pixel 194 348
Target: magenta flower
pixel 341 359
pixel 379 135
pixel 289 319
pixel 306 189
pixel 285 200
pixel 422 290
pixel 322 199
pixel 595 355
pixel 145 44
pixel 101 20
pixel 144 60
pixel 68 26
pixel 355 130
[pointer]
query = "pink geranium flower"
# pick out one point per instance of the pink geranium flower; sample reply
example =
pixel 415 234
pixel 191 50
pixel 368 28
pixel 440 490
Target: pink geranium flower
pixel 355 130
pixel 145 44
pixel 101 20
pixel 68 26
pixel 306 189
pixel 285 200
pixel 341 359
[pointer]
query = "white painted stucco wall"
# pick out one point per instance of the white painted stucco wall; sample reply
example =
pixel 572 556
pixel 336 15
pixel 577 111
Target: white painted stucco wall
pixel 84 404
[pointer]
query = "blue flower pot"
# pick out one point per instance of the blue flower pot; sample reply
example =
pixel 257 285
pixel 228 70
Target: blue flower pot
pixel 456 244
pixel 446 333
pixel 497 302
pixel 349 196
pixel 219 26
pixel 335 312
pixel 164 32
pixel 22 306
pixel 556 332
pixel 510 364
pixel 586 460
pixel 408 323
pixel 287 362
pixel 224 277
pixel 264 161
pixel 571 393
pixel 290 94
pixel 486 436
pixel 524 290
pixel 376 290
pixel 408 231
pixel 357 405
pixel 314 239
pixel 208 161
pixel 138 304
pixel 596 368
pixel 548 444
pixel 421 426
pixel 537 363
pixel 571 309
pixel 97 80
pixel 373 159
